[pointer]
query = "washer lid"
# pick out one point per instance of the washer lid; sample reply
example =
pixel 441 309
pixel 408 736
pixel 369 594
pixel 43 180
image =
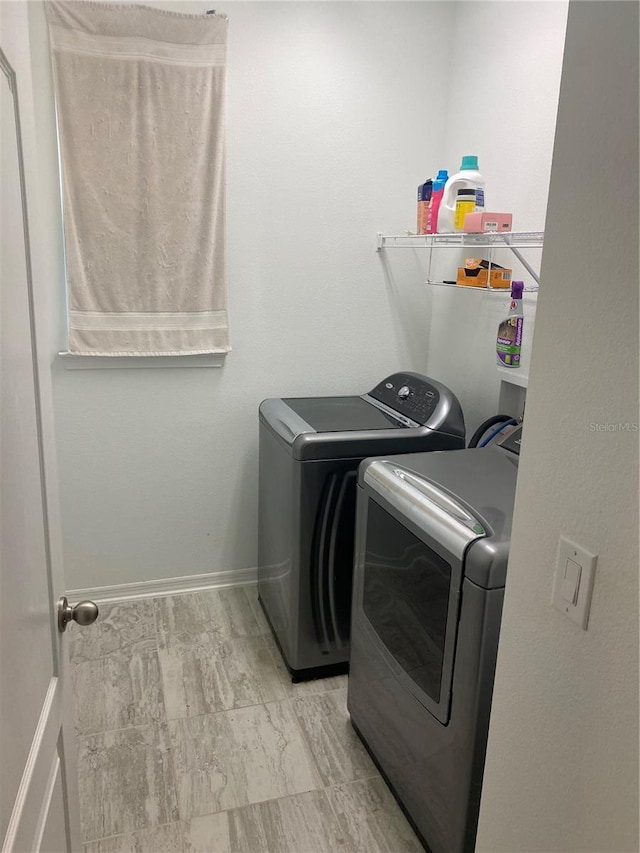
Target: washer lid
pixel 341 414
pixel 483 481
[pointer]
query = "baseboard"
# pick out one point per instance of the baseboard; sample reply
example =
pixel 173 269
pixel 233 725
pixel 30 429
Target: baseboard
pixel 165 586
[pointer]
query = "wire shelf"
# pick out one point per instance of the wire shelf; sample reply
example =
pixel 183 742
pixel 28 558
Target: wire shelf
pixel 504 290
pixel 489 239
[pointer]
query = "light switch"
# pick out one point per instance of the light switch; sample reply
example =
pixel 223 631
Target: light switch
pixel 573 584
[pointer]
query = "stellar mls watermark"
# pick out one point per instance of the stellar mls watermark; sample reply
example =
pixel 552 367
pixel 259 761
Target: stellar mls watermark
pixel 619 426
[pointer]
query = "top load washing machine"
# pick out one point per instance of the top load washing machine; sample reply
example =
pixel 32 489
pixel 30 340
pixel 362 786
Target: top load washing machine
pixel 310 449
pixel 432 543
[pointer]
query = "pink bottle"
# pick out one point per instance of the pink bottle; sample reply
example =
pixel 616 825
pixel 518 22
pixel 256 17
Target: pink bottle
pixel 437 192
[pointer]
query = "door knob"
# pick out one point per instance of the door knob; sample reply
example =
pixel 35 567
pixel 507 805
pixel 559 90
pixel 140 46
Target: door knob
pixel 84 613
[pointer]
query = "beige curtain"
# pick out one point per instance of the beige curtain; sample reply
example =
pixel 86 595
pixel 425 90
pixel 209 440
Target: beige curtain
pixel 140 98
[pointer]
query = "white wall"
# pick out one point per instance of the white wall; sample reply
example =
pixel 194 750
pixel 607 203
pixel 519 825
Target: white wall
pixel 562 762
pixel 336 111
pixel 501 106
pixel 329 132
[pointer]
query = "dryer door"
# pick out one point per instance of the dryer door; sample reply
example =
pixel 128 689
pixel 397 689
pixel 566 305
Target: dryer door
pixel 409 560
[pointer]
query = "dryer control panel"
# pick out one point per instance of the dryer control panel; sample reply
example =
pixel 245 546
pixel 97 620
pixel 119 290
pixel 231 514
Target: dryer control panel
pixel 410 394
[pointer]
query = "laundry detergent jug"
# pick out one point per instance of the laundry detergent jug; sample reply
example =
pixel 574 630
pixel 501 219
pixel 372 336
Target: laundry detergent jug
pixel 467 178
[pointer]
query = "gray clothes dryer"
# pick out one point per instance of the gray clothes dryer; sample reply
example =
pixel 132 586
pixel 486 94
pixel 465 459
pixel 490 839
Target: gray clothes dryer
pixel 432 543
pixel 310 449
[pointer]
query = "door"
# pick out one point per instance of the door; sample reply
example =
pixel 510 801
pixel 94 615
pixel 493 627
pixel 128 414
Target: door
pixel 38 797
pixel 411 545
pixel 410 599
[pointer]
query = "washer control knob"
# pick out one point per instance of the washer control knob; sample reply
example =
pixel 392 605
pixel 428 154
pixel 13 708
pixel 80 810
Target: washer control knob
pixel 404 392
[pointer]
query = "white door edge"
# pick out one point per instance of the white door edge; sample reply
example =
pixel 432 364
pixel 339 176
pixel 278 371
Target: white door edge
pixel 26 823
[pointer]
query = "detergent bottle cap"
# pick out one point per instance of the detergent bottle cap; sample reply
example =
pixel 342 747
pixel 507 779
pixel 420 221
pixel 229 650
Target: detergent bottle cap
pixel 442 175
pixel 469 161
pixel 517 288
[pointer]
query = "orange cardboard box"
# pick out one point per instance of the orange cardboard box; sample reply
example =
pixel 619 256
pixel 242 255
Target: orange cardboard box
pixel 476 273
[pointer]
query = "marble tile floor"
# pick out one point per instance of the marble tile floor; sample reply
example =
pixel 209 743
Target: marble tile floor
pixel 192 739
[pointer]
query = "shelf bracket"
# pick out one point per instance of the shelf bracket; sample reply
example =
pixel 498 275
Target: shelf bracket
pixel 534 275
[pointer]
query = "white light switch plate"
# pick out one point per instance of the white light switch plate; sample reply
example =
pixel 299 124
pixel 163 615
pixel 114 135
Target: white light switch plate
pixel 573 582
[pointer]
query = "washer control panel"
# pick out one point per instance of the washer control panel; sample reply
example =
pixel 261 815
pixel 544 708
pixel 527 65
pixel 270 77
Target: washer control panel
pixel 408 394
